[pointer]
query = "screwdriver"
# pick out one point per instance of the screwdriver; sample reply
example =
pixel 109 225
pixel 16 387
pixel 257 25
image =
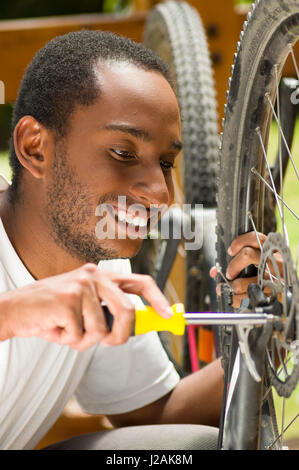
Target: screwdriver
pixel 147 319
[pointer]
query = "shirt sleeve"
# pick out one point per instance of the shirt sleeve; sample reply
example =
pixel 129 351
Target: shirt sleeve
pixel 123 378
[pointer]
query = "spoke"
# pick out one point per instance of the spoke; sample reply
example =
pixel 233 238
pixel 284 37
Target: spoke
pixel 259 242
pixel 273 185
pixel 256 173
pixel 219 271
pixel 270 387
pixel 282 366
pixel 282 135
pixel 280 281
pixel 289 319
pixel 282 420
pixel 294 59
pixel 273 349
pixel 279 140
pixel 278 371
pixel 282 363
pixel 285 429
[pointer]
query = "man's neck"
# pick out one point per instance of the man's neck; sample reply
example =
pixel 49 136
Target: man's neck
pixel 31 239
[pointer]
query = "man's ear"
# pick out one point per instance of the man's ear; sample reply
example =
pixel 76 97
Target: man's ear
pixel 30 139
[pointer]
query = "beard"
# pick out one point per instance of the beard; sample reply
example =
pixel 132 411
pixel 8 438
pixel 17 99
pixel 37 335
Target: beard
pixel 70 209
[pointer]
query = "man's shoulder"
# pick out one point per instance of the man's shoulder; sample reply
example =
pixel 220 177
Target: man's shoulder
pixel 4 183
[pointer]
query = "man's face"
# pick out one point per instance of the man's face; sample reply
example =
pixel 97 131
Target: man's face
pixel 122 148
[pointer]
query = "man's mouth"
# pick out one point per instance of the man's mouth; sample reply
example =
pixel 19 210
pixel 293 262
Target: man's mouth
pixel 135 220
pixel 129 224
pixel 131 218
pixel 126 221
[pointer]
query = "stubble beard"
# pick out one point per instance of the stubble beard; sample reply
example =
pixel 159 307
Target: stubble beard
pixel 69 209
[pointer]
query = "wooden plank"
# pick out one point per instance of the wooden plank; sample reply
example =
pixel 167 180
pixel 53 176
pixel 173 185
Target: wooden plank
pixel 21 39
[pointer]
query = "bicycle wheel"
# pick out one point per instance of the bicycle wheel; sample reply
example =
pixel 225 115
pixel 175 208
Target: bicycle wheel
pixel 174 31
pixel 247 197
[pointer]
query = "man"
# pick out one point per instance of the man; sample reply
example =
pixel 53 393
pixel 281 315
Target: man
pixel 96 118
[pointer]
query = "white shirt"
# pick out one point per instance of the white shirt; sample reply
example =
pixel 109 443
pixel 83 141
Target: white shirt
pixel 37 377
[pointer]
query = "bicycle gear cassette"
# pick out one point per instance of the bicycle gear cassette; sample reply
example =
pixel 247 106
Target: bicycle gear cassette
pixel 277 277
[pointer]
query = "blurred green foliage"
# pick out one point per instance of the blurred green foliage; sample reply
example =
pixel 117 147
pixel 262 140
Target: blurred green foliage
pixel 243 2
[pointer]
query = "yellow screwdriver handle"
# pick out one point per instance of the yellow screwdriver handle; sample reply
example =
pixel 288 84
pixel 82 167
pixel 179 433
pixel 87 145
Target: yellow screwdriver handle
pixel 147 319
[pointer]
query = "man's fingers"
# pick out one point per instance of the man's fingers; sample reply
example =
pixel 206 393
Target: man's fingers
pixel 242 245
pixel 245 251
pixel 64 335
pixel 246 239
pixel 95 326
pixel 237 300
pixel 120 307
pixel 145 286
pixel 123 325
pixel 245 257
pixel 68 326
pixel 213 272
pixel 239 285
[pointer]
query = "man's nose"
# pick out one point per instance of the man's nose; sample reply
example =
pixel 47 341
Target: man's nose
pixel 151 188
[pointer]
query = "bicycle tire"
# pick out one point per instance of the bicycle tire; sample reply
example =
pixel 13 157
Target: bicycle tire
pixel 269 29
pixel 174 31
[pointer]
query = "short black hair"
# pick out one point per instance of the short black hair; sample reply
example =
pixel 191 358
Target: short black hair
pixel 61 76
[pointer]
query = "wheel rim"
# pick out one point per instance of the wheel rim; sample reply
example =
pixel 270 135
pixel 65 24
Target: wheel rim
pixel 247 195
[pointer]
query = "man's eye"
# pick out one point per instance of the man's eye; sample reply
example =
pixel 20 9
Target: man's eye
pixel 122 154
pixel 165 165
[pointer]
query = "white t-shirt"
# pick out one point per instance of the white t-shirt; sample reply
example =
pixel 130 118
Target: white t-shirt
pixel 37 377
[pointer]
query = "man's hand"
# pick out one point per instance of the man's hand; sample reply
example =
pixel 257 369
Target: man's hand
pixel 66 309
pixel 244 250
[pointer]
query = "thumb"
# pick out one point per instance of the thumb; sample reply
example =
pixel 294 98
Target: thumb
pixel 213 272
